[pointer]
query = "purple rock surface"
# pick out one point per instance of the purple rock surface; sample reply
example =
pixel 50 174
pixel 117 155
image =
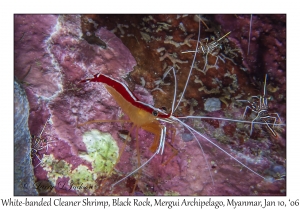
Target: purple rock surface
pixel 53 54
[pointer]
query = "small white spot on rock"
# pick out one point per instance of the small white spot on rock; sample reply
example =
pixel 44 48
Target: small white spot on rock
pixel 212 104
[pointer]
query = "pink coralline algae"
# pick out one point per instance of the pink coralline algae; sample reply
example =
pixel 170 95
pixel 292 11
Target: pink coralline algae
pixel 53 53
pixel 56 59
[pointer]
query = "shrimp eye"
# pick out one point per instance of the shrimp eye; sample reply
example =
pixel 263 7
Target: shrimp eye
pixel 154 113
pixel 164 108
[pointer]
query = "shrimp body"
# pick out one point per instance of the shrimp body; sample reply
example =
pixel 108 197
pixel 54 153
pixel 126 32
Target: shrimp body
pixel 140 114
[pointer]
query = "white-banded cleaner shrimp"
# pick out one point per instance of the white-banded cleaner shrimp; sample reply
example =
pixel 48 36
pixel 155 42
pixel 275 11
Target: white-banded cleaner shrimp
pixel 39 144
pixel 177 173
pixel 259 105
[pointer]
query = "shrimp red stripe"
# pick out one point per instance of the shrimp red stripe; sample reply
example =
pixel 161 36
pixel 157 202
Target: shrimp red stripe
pixel 126 93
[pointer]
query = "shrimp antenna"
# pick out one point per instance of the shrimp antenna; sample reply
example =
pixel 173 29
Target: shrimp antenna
pixel 175 88
pixel 203 153
pixel 223 36
pixel 249 34
pixel 265 84
pixel 188 78
pixel 159 149
pixel 128 175
pixel 190 128
pixel 232 120
pixel 175 84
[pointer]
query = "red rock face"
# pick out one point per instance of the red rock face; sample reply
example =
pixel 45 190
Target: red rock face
pixel 54 52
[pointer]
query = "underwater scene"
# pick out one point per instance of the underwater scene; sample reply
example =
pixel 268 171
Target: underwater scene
pixel 150 104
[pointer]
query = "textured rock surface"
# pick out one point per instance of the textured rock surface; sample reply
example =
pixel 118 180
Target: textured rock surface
pixel 212 104
pixel 54 52
pixel 52 58
pixel 23 171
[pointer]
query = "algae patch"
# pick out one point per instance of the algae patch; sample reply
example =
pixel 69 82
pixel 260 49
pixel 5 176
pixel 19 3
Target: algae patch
pixel 56 168
pixel 102 152
pixel 81 178
pixel 102 149
pixel 171 193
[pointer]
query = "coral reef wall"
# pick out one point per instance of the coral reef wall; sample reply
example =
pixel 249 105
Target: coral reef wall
pixel 84 152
